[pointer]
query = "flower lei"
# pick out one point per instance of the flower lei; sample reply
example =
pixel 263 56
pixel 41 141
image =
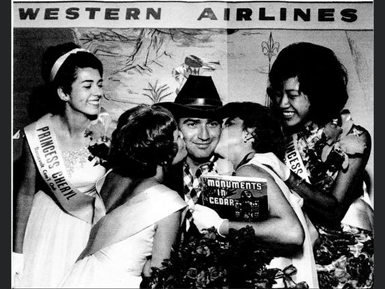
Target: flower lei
pixel 210 261
pixel 99 132
pixel 345 258
pixel 326 150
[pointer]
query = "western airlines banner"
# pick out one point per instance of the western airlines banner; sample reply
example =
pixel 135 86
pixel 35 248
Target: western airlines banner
pixel 210 14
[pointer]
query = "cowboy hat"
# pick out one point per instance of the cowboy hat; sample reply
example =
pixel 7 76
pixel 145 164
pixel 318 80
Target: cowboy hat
pixel 197 98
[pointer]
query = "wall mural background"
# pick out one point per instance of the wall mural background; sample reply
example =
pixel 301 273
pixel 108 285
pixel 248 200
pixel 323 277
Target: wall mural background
pixel 148 65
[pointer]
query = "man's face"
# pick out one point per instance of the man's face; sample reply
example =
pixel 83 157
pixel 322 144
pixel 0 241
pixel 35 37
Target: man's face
pixel 201 136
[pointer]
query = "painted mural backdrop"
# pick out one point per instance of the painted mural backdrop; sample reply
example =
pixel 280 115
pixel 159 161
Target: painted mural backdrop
pixel 151 65
pixel 148 61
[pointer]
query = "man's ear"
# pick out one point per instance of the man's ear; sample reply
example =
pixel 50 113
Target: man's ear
pixel 63 96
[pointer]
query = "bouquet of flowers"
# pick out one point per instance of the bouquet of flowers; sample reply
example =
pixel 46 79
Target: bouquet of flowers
pixel 210 261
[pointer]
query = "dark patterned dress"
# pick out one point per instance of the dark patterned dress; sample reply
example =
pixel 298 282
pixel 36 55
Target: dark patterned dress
pixel 344 253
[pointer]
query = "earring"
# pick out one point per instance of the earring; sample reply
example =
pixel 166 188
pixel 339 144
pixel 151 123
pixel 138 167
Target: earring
pixel 247 139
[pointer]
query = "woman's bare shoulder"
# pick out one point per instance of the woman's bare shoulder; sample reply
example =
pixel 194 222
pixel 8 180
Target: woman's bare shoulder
pixel 253 171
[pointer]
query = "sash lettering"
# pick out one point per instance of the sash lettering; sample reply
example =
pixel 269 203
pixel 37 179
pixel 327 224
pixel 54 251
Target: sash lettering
pixel 51 166
pixel 293 159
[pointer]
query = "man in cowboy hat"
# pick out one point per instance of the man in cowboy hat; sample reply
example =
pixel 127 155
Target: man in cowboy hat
pixel 195 109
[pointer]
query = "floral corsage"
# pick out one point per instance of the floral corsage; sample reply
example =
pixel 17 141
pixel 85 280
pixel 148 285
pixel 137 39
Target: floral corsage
pixel 342 140
pixel 99 132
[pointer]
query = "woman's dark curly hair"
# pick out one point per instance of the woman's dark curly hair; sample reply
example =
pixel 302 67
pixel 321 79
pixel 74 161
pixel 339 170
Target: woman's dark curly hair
pixel 67 72
pixel 267 134
pixel 143 139
pixel 321 76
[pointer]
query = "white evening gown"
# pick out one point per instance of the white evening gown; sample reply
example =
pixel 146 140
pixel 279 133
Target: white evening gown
pixel 304 261
pixel 117 266
pixel 126 239
pixel 54 239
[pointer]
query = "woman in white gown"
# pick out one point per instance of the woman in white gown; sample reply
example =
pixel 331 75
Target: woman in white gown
pixel 249 131
pixel 144 144
pixel 56 200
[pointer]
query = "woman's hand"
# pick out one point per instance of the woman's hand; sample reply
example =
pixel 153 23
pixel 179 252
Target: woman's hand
pixel 272 161
pixel 205 217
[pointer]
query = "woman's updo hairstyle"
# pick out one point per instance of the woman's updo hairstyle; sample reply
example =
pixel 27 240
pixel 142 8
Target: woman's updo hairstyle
pixel 67 73
pixel 267 130
pixel 143 139
pixel 321 76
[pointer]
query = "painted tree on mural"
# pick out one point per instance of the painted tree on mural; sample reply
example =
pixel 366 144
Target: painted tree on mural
pixel 138 51
pixel 141 48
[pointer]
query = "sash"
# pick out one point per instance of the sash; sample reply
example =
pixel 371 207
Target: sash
pixel 293 158
pixel 304 261
pixel 137 214
pixel 50 163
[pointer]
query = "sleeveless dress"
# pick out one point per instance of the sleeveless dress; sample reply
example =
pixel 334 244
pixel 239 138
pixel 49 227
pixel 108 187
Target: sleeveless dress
pixel 122 243
pixel 318 154
pixel 54 238
pixel 303 261
pixel 344 254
